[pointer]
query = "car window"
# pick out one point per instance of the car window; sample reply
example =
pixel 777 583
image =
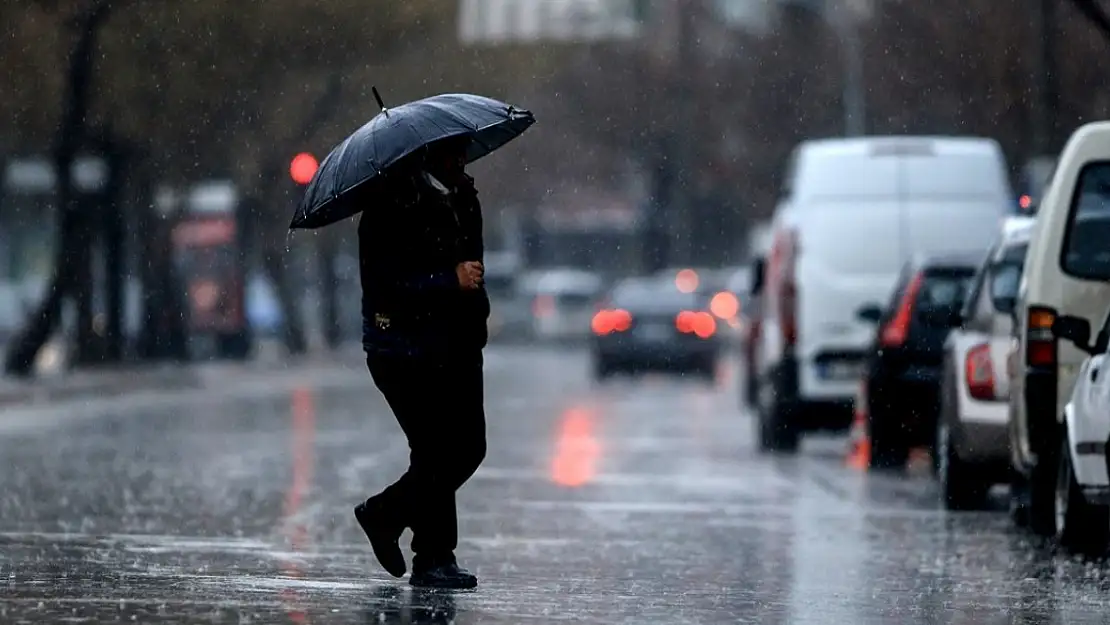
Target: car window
pixel 1086 249
pixel 945 289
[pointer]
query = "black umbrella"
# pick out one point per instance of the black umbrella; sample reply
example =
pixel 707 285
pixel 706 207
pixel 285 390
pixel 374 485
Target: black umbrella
pixel 393 134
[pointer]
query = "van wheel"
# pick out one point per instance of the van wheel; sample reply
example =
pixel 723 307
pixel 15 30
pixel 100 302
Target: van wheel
pixel 707 370
pixel 1081 527
pixel 776 429
pixel 961 487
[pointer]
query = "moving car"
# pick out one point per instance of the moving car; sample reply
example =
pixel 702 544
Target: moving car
pixel 649 324
pixel 1082 493
pixel 1067 272
pixel 903 367
pixel 852 213
pixel 562 303
pixel 972 450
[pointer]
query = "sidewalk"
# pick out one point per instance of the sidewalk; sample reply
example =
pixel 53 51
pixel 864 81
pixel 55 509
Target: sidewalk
pixel 146 376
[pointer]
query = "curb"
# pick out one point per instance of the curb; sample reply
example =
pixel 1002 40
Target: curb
pixel 120 381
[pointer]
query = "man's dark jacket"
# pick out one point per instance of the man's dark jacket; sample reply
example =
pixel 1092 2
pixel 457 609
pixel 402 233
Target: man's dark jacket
pixel 412 304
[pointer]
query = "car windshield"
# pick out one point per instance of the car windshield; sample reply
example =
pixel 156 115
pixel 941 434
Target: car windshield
pixel 661 296
pixel 944 289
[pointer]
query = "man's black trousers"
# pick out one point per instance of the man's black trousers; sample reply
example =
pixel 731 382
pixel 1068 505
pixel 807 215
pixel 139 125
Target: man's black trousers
pixel 439 404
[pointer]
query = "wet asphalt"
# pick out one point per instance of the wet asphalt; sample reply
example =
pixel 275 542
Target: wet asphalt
pixel 637 501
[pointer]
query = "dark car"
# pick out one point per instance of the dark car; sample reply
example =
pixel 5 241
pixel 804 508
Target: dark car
pixel 904 365
pixel 649 324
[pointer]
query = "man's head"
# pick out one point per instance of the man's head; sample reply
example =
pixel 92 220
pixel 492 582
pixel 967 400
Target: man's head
pixel 446 158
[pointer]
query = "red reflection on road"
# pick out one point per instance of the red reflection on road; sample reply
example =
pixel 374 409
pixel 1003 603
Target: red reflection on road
pixel 577 449
pixel 303 414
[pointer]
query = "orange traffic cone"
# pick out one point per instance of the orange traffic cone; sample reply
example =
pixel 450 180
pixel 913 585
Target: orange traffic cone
pixel 859 439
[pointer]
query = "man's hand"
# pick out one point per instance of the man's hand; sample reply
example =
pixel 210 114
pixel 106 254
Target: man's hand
pixel 470 274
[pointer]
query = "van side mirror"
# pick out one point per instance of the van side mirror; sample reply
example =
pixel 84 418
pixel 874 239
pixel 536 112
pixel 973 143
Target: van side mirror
pixel 870 313
pixel 1075 329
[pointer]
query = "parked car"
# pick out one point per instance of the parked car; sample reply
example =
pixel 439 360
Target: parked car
pixel 903 366
pixel 1082 493
pixel 972 450
pixel 853 212
pixel 648 324
pixel 1067 272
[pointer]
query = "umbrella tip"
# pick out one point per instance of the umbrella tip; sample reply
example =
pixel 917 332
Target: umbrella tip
pixel 378 97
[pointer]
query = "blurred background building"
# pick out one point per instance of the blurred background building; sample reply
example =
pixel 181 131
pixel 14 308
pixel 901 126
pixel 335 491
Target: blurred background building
pixel 663 129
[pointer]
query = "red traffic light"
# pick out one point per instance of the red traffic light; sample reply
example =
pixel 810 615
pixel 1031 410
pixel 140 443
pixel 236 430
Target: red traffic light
pixel 303 168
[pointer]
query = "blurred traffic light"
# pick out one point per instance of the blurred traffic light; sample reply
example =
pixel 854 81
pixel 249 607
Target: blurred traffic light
pixel 303 168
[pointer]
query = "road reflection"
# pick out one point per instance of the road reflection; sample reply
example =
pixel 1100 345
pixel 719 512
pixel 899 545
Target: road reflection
pixel 417 606
pixel 577 449
pixel 303 415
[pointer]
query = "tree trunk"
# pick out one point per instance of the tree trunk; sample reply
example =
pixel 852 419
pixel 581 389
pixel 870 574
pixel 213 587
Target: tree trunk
pixel 20 360
pixel 114 234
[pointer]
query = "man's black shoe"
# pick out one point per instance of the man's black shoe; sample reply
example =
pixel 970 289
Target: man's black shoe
pixel 446 576
pixel 383 537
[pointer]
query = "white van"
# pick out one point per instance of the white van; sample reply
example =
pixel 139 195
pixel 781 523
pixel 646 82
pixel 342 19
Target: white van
pixel 1067 272
pixel 853 212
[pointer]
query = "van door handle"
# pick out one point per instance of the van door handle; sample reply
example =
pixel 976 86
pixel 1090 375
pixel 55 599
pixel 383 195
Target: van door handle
pixel 1094 373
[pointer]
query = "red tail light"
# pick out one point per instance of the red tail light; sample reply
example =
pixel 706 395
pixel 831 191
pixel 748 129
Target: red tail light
pixel 725 305
pixel 543 306
pixel 897 330
pixel 701 324
pixel 610 321
pixel 1040 344
pixel 781 270
pixel 980 373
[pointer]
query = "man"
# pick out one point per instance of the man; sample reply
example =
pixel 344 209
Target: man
pixel 425 311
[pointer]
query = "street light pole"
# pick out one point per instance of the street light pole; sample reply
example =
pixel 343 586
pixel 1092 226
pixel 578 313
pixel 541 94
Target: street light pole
pixel 845 19
pixel 1045 72
pixel 854 98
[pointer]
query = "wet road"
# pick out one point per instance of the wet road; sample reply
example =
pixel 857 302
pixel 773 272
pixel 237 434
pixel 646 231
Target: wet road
pixel 634 502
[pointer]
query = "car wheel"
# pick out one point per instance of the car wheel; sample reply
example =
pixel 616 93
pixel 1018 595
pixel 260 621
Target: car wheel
pixel 603 370
pixel 776 429
pixel 888 446
pixel 1081 527
pixel 1040 493
pixel 707 370
pixel 961 487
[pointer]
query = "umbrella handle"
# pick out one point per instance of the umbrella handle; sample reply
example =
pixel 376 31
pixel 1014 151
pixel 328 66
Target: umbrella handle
pixel 378 97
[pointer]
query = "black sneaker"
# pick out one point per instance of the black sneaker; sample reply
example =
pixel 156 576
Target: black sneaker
pixel 446 576
pixel 383 537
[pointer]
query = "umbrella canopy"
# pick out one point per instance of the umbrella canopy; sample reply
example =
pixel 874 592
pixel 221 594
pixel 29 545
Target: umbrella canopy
pixel 369 153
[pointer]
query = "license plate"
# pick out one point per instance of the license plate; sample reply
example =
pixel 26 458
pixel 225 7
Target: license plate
pixel 842 370
pixel 655 332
